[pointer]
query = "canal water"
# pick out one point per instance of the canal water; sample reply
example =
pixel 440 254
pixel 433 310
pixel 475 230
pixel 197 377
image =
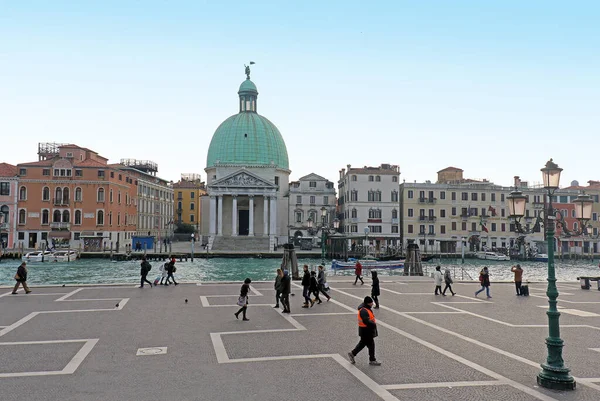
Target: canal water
pixel 103 271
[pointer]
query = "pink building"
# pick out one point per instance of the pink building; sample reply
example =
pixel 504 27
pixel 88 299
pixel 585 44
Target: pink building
pixel 8 205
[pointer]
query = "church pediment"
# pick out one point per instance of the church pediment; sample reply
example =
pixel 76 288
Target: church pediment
pixel 243 179
pixel 312 177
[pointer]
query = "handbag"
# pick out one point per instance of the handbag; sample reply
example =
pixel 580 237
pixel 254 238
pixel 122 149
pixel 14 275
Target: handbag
pixel 242 301
pixel 17 277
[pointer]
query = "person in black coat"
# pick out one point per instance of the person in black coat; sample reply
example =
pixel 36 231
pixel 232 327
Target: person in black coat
pixel 375 290
pixel 243 300
pixel 322 280
pixel 306 288
pixel 367 330
pixel 314 288
pixel 170 270
pixel 21 279
pixel 277 287
pixel 286 289
pixel 145 269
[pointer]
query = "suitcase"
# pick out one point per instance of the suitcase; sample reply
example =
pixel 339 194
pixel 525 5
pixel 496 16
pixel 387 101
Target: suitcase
pixel 525 290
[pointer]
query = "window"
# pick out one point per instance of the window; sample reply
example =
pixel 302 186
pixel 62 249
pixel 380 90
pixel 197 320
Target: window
pixel 298 216
pixel 78 173
pixel 354 195
pixel 353 178
pixel 112 174
pixel 454 211
pixel 46 171
pixel 22 171
pixel 78 195
pixel 501 197
pixel 101 195
pixel 45 217
pixel 493 197
pixel 422 195
pixel 463 226
pixel 276 180
pixel 100 173
pixel 483 197
pixel 442 195
pixel 21 235
pixel 370 178
pixel 100 218
pixel 179 205
pixel 394 229
pixel 298 199
pixel 5 188
pixel 312 200
pixel 422 229
pixel 77 217
pixel 442 229
pixel 410 213
pixel 594 216
pixel 474 196
pixel 191 218
pixel 454 226
pixel 312 184
pixel 394 179
pixel 377 178
pixel 192 194
pixel 443 213
pixel 192 206
pixel 374 213
pixel 354 213
pixel 394 214
pixel 66 216
pixel 473 226
pixel 326 200
pixel 46 194
pixel 374 196
pixel 493 226
pixel 119 197
pixel 465 196
pixel 410 228
pixel 453 196
pixel 76 236
pixel 502 212
pixel 23 193
pixel 375 229
pixel 354 228
pixel 110 219
pixel 394 196
pixel 110 196
pixel 410 194
pixel 56 216
pixel 22 216
pixel 120 177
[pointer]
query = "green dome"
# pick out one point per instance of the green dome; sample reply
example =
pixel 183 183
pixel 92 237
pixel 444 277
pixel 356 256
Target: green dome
pixel 247 139
pixel 248 86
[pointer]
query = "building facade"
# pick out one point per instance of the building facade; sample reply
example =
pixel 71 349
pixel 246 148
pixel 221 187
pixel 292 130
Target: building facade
pixel 307 197
pixel 72 197
pixel 9 181
pixel 369 204
pixel 247 177
pixel 188 191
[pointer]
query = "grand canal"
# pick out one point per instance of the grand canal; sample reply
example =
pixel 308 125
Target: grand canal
pixel 103 271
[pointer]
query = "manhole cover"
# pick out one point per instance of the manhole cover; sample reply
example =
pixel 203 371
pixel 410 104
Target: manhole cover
pixel 152 351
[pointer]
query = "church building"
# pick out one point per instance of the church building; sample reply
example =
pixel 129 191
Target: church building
pixel 247 177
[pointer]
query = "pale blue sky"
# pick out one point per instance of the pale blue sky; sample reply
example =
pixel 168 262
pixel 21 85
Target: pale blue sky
pixel 495 88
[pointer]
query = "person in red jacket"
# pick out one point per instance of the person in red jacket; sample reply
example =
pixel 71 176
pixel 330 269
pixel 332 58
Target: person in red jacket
pixel 358 273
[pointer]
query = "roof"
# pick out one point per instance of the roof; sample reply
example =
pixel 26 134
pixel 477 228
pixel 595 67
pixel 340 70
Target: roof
pixel 44 163
pixel 450 169
pixel 90 163
pixel 312 176
pixel 8 170
pixel 188 185
pixel 248 86
pixel 373 170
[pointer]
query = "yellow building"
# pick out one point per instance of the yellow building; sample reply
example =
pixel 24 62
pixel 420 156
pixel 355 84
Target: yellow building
pixel 187 193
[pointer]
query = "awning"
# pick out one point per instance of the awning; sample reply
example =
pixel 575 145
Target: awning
pixel 59 234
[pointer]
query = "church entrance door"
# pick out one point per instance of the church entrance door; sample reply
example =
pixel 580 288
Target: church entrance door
pixel 244 222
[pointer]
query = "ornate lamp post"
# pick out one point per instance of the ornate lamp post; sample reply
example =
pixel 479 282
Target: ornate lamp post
pixel 325 229
pixel 554 374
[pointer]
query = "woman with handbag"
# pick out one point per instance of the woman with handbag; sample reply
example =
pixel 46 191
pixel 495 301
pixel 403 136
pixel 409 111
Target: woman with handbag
pixel 21 278
pixel 243 300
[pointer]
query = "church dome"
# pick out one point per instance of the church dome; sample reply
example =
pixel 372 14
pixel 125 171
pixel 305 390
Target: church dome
pixel 247 138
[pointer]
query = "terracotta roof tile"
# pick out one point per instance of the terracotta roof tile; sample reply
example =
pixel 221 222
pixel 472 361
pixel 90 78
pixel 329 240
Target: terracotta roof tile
pixel 8 170
pixel 451 169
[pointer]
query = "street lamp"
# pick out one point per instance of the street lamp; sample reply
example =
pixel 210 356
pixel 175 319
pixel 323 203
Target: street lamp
pixel 325 229
pixel 554 374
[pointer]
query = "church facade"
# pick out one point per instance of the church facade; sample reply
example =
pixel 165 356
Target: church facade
pixel 247 177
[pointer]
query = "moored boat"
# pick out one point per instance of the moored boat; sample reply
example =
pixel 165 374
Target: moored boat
pixel 486 255
pixel 37 256
pixel 540 257
pixel 65 256
pixel 368 264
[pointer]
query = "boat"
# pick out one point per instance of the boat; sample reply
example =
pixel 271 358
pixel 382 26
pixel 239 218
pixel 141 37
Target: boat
pixel 491 256
pixel 37 256
pixel 367 264
pixel 64 256
pixel 540 257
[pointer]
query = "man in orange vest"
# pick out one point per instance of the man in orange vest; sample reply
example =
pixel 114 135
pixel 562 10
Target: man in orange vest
pixel 367 330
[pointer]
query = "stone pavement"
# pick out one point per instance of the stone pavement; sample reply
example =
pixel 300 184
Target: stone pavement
pixel 125 343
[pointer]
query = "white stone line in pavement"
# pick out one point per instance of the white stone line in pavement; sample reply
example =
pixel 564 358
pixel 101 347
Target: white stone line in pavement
pixel 46 294
pixel 434 313
pixel 67 370
pixel 68 295
pixel 255 291
pixel 576 312
pixel 364 379
pixel 566 301
pixel 595 349
pixel 409 386
pixel 451 355
pixel 323 314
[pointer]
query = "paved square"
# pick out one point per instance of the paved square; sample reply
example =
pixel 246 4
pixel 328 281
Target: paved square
pixel 86 343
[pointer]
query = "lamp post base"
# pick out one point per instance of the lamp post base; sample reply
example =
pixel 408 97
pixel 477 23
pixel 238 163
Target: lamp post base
pixel 555 378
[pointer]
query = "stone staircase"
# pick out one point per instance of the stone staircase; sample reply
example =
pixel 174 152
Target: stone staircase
pixel 241 244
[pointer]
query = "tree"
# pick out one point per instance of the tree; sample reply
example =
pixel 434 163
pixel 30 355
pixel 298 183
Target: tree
pixel 184 228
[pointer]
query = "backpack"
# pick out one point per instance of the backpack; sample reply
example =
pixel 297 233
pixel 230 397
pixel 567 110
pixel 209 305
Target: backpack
pixel 148 267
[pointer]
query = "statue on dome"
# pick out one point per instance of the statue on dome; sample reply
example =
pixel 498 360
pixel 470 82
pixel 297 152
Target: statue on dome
pixel 248 69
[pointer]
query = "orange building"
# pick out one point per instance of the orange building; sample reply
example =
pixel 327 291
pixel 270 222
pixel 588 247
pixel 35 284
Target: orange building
pixel 72 197
pixel 8 205
pixel 187 199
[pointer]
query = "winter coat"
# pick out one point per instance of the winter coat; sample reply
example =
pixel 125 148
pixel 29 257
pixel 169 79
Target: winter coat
pixel 286 285
pixel 518 273
pixel 375 290
pixel 306 279
pixel 371 330
pixel 358 269
pixel 278 283
pixel 22 272
pixel 314 285
pixel 447 277
pixel 321 277
pixel 484 278
pixel 244 290
pixel 437 276
pixel 145 268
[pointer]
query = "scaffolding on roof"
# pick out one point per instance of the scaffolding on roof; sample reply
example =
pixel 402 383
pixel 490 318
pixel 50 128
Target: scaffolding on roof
pixel 190 177
pixel 49 150
pixel 146 166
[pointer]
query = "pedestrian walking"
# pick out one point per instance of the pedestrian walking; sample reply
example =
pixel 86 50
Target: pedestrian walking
pixel 306 287
pixel 277 287
pixel 448 281
pixel 286 289
pixel 484 279
pixel 437 277
pixel 375 288
pixel 145 269
pixel 518 278
pixel 243 300
pixel 170 270
pixel 21 279
pixel 358 273
pixel 163 272
pixel 314 288
pixel 367 330
pixel 322 280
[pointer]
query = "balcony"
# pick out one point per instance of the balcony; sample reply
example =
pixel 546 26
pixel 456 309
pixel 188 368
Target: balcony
pixel 431 234
pixel 60 226
pixel 427 218
pixel 427 200
pixel 3 226
pixel 60 202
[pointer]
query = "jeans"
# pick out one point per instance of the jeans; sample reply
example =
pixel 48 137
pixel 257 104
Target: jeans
pixel 487 290
pixel 438 288
pixel 277 296
pixel 448 287
pixel 146 280
pixel 306 294
pixel 358 277
pixel 368 342
pixel 518 287
pixel 170 276
pixel 285 302
pixel 376 299
pixel 322 290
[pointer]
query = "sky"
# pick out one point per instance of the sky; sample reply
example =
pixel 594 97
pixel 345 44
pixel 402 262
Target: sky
pixel 493 87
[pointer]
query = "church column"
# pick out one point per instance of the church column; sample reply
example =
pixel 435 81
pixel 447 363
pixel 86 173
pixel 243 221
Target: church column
pixel 234 215
pixel 212 229
pixel 265 215
pixel 220 222
pixel 251 216
pixel 273 211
